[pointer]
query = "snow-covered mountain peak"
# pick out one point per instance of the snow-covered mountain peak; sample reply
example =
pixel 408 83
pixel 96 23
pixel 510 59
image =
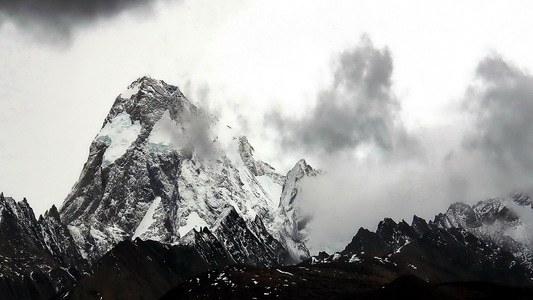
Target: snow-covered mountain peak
pixel 157 116
pixel 162 167
pixel 148 100
pixel 146 97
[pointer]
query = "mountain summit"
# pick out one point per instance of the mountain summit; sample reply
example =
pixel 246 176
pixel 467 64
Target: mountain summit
pixel 162 167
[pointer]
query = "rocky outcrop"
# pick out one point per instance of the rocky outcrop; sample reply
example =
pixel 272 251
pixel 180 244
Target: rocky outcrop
pixel 39 257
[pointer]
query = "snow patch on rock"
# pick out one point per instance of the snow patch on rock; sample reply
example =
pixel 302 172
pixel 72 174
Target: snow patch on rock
pixel 148 219
pixel 120 133
pixel 194 221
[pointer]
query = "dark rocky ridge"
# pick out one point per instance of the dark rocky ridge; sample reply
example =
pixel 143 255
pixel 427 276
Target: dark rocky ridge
pixel 38 257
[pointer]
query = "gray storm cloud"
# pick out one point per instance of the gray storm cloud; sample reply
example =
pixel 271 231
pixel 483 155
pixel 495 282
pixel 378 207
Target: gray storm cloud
pixel 501 104
pixel 503 109
pixel 358 108
pixel 58 17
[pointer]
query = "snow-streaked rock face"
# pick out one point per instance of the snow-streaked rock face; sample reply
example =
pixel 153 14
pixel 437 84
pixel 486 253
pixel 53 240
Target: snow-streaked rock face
pixel 161 167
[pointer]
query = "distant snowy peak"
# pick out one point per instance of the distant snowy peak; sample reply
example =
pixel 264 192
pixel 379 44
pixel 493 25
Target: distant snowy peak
pixel 506 221
pixel 487 212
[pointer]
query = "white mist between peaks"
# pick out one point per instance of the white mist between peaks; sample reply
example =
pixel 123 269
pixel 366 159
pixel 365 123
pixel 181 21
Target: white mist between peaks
pixel 350 195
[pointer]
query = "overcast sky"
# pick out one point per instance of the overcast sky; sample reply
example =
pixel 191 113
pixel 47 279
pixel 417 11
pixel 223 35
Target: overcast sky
pixel 421 102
